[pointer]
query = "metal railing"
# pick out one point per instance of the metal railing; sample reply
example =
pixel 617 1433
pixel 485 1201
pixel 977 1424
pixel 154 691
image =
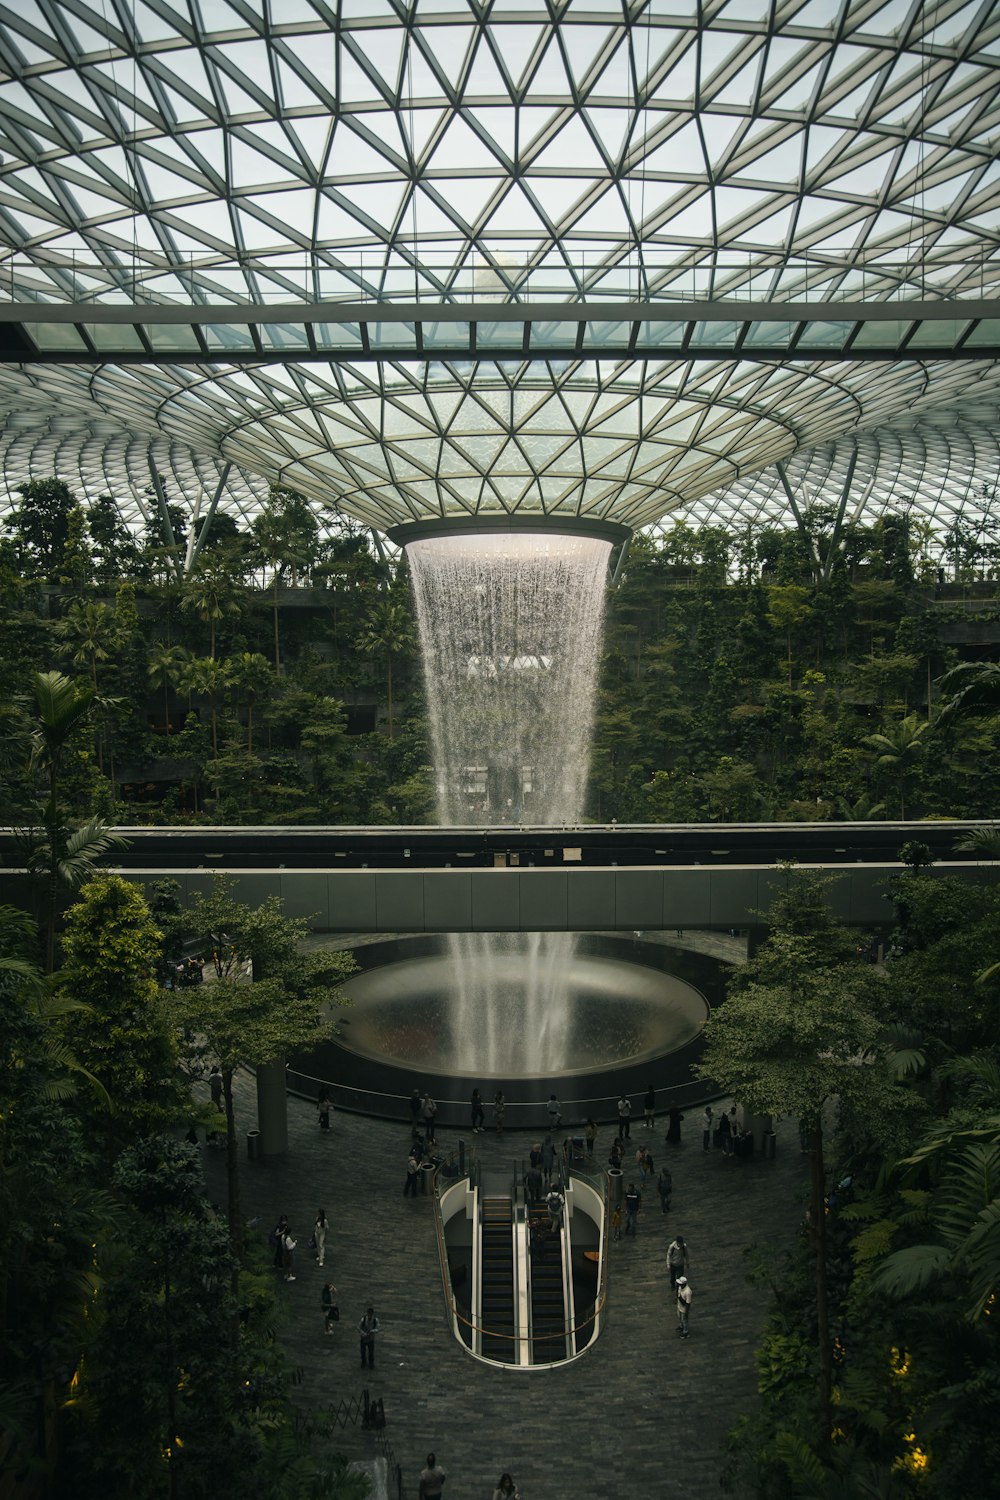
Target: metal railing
pixel 472 1327
pixel 521 1114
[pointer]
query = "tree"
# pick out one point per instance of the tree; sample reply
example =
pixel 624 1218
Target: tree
pixel 40 525
pixel 287 537
pixel 61 857
pixel 251 676
pixel 389 633
pixel 799 1029
pixel 266 999
pixel 166 670
pixel 211 591
pixel 115 552
pixel 899 754
pixel 126 1037
pixel 90 633
pixel 205 675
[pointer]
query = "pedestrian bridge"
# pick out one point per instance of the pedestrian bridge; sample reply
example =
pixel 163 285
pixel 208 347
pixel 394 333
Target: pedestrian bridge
pixel 554 900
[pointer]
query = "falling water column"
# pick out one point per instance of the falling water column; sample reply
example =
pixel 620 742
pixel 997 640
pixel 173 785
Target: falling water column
pixel 510 625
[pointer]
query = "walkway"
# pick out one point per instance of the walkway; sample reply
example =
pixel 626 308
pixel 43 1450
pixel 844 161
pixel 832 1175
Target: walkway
pixel 641 1414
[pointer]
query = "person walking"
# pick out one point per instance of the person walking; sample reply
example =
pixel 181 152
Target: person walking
pixel 675 1119
pixel 430 1110
pixel 276 1240
pixel 684 1298
pixel 287 1255
pixel 725 1134
pixel 328 1302
pixel 706 1128
pixel 506 1489
pixel 432 1478
pixel 478 1113
pixel 499 1105
pixel 534 1185
pixel 319 1235
pixel 554 1111
pixel 412 1183
pixel 677 1259
pixel 554 1203
pixel 624 1117
pixel 665 1188
pixel 649 1108
pixel 416 1109
pixel 324 1104
pixel 367 1329
pixel 590 1131
pixel 548 1155
pixel 215 1085
pixel 633 1202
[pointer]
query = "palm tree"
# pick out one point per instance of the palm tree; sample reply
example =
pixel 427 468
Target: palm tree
pixel 90 633
pixel 250 674
pixel 165 668
pixel 961 1224
pixel 389 630
pixel 211 593
pixel 209 677
pixel 975 688
pixel 63 859
pixel 899 751
pixel 286 533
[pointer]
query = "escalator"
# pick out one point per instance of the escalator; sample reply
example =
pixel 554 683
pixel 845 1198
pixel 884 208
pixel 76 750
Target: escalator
pixel 497 1309
pixel 548 1296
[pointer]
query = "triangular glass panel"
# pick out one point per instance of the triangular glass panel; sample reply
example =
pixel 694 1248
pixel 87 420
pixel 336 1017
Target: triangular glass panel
pixel 610 127
pixel 485 81
pixel 460 146
pixel 549 75
pixel 572 146
pixel 513 45
pixel 501 126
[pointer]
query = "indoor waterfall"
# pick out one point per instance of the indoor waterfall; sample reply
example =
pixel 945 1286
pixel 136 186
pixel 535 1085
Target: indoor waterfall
pixel 510 627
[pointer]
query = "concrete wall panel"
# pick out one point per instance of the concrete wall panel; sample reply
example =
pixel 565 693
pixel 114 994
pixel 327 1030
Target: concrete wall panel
pixel 495 900
pixel 399 900
pixel 638 898
pixel 352 901
pixel 687 900
pixel 544 900
pixel 590 900
pixel 734 894
pixel 448 900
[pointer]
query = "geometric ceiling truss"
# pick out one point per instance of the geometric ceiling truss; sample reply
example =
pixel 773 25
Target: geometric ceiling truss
pixel 760 152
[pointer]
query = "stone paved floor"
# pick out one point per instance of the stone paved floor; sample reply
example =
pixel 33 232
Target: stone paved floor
pixel 641 1414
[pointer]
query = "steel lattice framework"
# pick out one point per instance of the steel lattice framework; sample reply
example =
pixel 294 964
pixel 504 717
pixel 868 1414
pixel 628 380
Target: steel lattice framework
pixel 763 152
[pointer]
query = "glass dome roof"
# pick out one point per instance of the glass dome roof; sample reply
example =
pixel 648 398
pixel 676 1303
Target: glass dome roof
pixel 746 151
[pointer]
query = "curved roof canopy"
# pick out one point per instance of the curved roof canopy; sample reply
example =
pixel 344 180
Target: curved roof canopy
pixel 454 156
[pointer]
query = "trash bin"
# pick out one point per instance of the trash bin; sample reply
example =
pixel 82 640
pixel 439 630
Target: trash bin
pixel 616 1186
pixel 253 1145
pixel 770 1141
pixel 427 1170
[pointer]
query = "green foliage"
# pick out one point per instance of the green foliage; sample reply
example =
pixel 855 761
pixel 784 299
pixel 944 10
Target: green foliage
pixel 125 1037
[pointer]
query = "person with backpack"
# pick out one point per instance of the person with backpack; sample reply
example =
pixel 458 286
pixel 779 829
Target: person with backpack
pixel 430 1110
pixel 412 1183
pixel 677 1260
pixel 624 1117
pixel 684 1297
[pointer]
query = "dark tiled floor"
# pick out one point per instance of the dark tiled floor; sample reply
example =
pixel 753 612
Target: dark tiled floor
pixel 641 1414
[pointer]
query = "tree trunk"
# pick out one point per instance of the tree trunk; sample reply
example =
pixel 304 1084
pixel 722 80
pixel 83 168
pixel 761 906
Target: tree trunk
pixel 234 1211
pixel 818 1213
pixel 277 653
pixel 389 671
